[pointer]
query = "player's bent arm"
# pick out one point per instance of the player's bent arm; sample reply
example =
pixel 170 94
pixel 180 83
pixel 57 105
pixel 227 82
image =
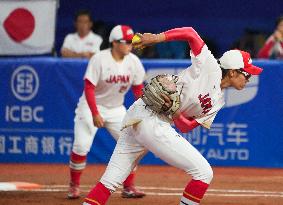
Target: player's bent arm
pixel 186 34
pixel 67 53
pixel 183 124
pixel 89 90
pixel 137 90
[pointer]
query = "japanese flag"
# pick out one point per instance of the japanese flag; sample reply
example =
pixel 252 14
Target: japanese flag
pixel 27 27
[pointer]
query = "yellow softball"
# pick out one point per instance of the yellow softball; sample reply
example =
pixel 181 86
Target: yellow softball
pixel 136 39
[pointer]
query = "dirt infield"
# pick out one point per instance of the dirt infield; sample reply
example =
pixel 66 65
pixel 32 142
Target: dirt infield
pixel 163 185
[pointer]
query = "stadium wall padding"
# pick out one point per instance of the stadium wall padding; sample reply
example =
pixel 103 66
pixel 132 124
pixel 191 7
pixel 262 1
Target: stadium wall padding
pixel 39 96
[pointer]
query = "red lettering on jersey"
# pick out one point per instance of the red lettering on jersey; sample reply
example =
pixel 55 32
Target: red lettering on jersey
pixel 115 80
pixel 205 103
pixel 118 79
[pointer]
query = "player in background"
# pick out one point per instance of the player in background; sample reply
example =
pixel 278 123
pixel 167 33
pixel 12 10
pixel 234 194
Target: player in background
pixel 201 87
pixel 84 43
pixel 273 47
pixel 109 75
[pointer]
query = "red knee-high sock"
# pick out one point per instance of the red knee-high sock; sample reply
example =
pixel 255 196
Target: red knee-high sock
pixel 77 165
pixel 194 192
pixel 98 195
pixel 130 180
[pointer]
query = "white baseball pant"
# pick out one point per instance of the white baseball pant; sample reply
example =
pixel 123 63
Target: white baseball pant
pixel 84 130
pixel 156 135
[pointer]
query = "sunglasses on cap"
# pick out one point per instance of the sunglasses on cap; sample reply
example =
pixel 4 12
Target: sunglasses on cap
pixel 246 74
pixel 124 41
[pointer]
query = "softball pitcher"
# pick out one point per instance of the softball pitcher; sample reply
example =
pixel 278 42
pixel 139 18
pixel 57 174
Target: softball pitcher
pixel 147 124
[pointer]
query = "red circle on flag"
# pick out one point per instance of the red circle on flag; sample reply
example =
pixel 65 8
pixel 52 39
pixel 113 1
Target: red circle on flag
pixel 20 24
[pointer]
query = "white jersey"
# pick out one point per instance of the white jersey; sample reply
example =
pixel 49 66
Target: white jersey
pixel 90 43
pixel 201 95
pixel 112 79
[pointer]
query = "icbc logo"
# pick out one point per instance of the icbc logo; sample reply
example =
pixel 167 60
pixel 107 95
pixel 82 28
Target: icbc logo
pixel 24 85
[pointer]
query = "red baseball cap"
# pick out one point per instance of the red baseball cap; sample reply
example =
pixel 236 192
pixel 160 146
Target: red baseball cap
pixel 237 59
pixel 121 32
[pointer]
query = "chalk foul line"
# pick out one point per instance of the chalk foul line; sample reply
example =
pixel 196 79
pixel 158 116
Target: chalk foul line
pixel 149 190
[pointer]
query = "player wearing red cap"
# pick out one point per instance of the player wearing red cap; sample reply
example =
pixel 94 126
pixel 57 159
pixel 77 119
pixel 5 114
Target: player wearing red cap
pixel 109 75
pixel 201 97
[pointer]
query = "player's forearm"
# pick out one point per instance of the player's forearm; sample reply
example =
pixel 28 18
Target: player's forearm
pixel 89 90
pixel 186 34
pixel 69 54
pixel 185 125
pixel 137 90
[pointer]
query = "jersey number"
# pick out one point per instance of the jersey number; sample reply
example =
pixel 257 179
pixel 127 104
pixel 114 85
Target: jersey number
pixel 123 89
